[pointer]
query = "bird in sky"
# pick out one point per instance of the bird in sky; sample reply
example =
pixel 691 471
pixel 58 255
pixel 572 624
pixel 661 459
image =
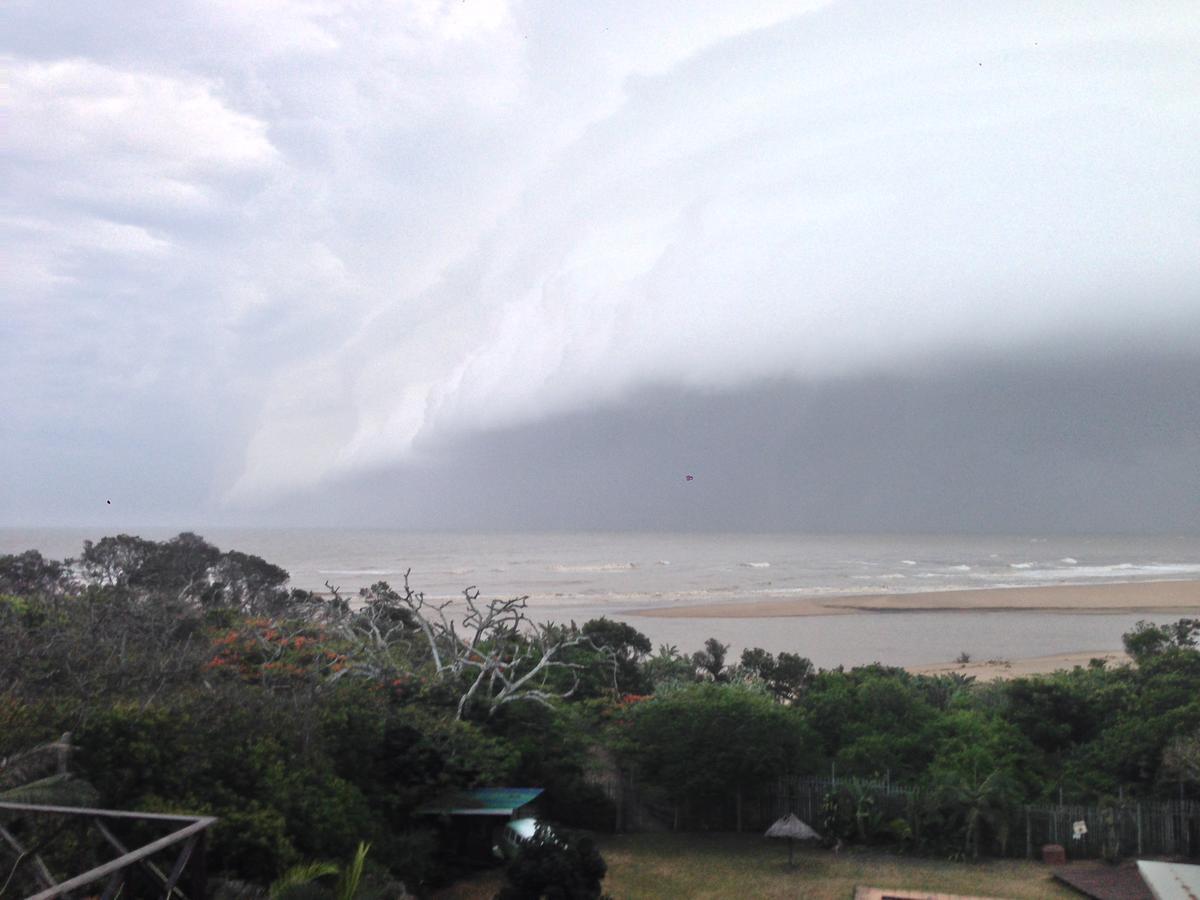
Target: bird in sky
pixel 689 477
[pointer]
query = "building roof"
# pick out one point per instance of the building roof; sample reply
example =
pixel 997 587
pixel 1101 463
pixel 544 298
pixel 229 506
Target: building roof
pixel 1170 881
pixel 481 802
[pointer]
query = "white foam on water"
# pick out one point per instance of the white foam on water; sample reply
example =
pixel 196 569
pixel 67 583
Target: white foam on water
pixel 1069 561
pixel 756 565
pixel 1026 565
pixel 1147 571
pixel 349 572
pixel 596 567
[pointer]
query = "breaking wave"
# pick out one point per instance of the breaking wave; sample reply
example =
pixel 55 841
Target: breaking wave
pixel 595 567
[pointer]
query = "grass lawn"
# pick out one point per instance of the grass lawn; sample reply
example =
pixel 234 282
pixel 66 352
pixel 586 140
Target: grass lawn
pixel 750 866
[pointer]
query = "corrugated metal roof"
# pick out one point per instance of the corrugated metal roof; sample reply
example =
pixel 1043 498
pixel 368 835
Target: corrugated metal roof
pixel 481 802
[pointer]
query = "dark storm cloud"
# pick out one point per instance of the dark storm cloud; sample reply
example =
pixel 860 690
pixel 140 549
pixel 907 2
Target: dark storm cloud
pixel 1086 443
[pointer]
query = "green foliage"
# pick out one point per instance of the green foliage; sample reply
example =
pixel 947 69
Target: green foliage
pixel 351 877
pixel 301 876
pixel 668 667
pixel 560 867
pixel 710 662
pixel 54 790
pixel 1148 640
pixel 872 720
pixel 703 741
pixel 301 882
pixel 786 676
pixel 628 646
pixel 198 683
pixel 29 574
pixel 981 806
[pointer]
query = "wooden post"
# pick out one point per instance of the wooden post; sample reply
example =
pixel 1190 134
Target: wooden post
pixel 1028 835
pixel 619 801
pixel 633 819
pixel 738 796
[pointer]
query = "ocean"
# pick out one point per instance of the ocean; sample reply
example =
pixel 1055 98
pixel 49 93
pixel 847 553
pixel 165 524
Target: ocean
pixel 577 576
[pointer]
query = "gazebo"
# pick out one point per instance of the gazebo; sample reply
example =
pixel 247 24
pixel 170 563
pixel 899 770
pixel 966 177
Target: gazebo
pixel 794 829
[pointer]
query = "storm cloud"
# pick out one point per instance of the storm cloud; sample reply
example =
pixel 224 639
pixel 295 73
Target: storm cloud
pixel 923 267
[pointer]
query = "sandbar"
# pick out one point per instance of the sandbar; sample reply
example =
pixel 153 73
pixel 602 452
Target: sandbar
pixel 990 669
pixel 1132 597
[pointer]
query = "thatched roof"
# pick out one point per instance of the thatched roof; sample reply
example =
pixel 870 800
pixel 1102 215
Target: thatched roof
pixel 790 826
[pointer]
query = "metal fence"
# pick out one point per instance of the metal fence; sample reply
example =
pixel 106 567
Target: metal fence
pixel 1131 828
pixel 1128 827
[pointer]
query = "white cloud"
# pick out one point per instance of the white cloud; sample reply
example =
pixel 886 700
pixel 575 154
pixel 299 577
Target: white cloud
pixel 106 162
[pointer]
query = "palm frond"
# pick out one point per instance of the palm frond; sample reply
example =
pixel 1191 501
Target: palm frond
pixel 56 790
pixel 300 875
pixel 347 887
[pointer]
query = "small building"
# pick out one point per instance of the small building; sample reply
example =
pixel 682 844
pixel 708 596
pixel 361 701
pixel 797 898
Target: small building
pixel 471 820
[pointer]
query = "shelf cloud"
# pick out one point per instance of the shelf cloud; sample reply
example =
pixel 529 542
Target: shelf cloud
pixel 351 239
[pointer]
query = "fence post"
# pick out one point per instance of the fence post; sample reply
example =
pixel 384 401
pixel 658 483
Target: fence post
pixel 620 802
pixel 1138 808
pixel 1028 836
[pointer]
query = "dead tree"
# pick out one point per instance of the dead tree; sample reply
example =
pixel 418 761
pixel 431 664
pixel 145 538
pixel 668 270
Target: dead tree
pixel 493 648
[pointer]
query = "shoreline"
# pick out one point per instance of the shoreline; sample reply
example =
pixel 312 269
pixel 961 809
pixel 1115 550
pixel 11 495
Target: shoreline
pixel 1120 597
pixel 1004 669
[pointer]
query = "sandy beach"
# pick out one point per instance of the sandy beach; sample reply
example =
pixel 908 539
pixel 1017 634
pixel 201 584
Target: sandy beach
pixel 1149 597
pixel 989 669
pixel 1132 597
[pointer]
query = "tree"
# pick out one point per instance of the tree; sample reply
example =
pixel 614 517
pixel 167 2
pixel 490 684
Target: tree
pixel 1148 640
pixel 871 719
pixel 668 667
pixel 980 803
pixel 710 662
pixel 786 677
pixel 29 574
pixel 713 742
pixel 627 647
pixel 492 650
pixel 178 567
pixel 1181 758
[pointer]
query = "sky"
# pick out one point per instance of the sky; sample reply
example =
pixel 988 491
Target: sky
pixel 855 266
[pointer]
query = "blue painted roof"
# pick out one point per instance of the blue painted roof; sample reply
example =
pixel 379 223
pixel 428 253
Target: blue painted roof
pixel 481 802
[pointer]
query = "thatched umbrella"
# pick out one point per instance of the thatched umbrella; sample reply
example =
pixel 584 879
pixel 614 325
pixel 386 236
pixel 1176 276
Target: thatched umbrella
pixel 792 828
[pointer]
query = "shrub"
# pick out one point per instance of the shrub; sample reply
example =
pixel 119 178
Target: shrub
pixel 562 867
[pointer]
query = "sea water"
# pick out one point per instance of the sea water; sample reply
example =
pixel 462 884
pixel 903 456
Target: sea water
pixel 582 575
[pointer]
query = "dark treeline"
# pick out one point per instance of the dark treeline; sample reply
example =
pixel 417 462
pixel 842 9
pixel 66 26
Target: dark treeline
pixel 194 680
